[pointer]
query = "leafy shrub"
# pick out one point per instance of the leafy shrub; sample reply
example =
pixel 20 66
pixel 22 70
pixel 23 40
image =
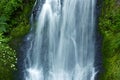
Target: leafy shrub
pixel 7 60
pixel 14 23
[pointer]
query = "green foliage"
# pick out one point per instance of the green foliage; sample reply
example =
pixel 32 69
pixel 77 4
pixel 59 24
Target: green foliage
pixel 13 12
pixel 14 24
pixel 7 7
pixel 7 60
pixel 109 26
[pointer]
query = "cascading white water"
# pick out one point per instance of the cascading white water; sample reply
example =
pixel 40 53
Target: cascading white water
pixel 64 43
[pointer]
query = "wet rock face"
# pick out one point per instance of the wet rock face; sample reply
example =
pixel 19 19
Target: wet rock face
pixel 118 2
pixel 37 8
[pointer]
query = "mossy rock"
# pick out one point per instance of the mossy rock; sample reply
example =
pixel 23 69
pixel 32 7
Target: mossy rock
pixel 20 31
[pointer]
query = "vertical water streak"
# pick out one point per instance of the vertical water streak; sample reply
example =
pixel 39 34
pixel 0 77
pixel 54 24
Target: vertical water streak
pixel 63 47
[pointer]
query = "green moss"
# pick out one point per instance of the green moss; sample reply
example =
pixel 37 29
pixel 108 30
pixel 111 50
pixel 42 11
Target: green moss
pixel 20 31
pixel 109 26
pixel 112 68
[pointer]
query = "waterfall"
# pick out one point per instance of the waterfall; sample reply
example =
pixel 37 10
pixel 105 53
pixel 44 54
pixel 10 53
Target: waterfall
pixel 62 46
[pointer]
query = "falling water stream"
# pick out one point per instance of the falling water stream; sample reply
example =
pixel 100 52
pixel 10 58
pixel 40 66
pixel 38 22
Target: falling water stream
pixel 63 47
